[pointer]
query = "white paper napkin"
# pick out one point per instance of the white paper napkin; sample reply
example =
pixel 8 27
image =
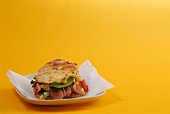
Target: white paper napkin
pixel 88 72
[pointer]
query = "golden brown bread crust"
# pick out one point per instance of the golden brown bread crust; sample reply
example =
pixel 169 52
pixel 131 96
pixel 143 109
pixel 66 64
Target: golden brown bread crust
pixel 58 71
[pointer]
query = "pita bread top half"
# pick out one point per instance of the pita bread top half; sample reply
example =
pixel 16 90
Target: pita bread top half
pixel 58 71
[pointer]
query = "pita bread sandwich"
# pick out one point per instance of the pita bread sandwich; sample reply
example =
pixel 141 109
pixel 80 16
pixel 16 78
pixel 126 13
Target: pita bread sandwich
pixel 58 79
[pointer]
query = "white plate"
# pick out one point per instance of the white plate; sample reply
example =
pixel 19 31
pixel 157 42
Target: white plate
pixel 59 101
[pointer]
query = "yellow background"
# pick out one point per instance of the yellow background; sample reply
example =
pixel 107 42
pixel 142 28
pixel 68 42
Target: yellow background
pixel 128 41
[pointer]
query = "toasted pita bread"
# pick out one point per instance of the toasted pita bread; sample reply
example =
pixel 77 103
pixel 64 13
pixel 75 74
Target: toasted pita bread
pixel 58 71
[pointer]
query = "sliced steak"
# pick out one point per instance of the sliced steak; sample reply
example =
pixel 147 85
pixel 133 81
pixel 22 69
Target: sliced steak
pixel 58 94
pixel 68 91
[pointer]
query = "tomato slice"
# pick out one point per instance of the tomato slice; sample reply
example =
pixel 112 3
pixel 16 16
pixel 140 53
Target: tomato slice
pixel 84 85
pixel 35 89
pixel 36 92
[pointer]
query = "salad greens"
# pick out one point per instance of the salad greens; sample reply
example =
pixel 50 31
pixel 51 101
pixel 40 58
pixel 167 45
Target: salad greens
pixel 70 80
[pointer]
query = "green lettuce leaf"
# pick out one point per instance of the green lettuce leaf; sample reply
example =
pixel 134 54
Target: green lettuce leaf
pixel 60 85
